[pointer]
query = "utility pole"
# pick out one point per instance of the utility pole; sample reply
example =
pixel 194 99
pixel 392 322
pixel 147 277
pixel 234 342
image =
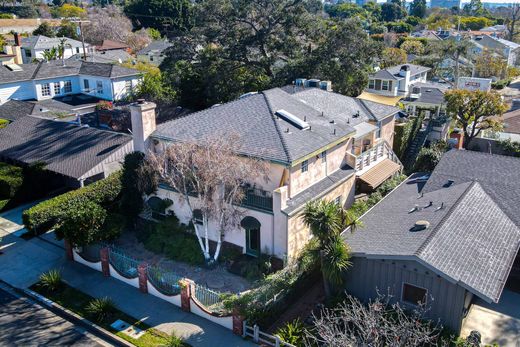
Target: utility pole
pixel 80 23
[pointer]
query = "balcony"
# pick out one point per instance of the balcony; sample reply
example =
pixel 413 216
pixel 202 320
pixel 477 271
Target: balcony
pixel 258 199
pixel 372 156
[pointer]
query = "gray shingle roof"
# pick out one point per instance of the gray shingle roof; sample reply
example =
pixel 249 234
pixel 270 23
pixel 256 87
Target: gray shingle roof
pixel 56 68
pixel 108 56
pixel 156 46
pixel 44 42
pixel 472 240
pixel 66 148
pixel 15 109
pixel 392 72
pixel 318 189
pixel 268 136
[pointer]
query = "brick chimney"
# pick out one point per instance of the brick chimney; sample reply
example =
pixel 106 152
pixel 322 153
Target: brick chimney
pixel 458 135
pixel 143 123
pixel 17 39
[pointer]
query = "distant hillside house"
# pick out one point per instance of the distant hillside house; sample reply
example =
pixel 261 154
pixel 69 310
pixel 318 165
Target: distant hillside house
pixel 47 80
pixel 33 47
pixel 319 145
pixel 443 239
pixel 154 52
pixel 507 49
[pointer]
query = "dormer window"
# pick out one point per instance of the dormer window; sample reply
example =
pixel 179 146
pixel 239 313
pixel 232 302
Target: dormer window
pixel 385 85
pixel 371 84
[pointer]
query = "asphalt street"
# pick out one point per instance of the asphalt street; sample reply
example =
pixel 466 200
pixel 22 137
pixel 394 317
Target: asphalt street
pixel 25 323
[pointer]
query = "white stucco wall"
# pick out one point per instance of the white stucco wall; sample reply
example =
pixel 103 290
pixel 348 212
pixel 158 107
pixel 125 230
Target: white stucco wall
pixel 119 86
pixel 18 91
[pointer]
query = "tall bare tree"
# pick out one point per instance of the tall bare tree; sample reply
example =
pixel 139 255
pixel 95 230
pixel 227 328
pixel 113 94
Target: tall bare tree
pixel 380 323
pixel 209 176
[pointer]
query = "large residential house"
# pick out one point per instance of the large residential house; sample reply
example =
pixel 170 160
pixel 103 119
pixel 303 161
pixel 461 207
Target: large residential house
pixel 319 144
pixel 507 49
pixel 396 80
pixel 33 47
pixel 53 79
pixel 443 239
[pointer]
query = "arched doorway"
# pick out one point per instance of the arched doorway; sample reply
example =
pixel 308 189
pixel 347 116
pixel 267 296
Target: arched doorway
pixel 252 228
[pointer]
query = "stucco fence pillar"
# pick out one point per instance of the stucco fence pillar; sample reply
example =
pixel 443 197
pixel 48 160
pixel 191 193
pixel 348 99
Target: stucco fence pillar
pixel 185 295
pixel 238 323
pixel 68 250
pixel 142 271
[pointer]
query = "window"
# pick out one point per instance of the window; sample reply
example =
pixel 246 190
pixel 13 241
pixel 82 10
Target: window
pixel 323 156
pixel 337 201
pixel 413 295
pixel 99 87
pixel 46 89
pixel 371 84
pixel 28 53
pixel 305 166
pixel 67 86
pixel 57 88
pixel 151 58
pixel 77 50
pixel 86 85
pixel 128 86
pixel 384 85
pixel 378 131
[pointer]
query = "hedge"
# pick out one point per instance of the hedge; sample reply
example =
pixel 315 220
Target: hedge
pixel 11 179
pixel 47 214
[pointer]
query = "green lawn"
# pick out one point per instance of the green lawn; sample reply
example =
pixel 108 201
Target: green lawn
pixel 76 301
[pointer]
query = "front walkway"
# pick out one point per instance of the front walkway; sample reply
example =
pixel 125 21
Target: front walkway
pixel 497 323
pixel 23 261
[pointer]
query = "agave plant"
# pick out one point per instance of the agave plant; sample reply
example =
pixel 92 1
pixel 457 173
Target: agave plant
pixel 173 341
pixel 292 332
pixel 51 280
pixel 101 309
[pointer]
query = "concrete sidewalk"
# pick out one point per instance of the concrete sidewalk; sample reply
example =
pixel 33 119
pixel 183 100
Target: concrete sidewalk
pixel 23 261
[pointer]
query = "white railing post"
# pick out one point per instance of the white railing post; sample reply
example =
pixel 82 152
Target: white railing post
pixel 276 341
pixel 256 333
pixel 244 328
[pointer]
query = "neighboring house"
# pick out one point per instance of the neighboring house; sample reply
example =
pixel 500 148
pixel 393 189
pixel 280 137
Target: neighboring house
pixel 507 49
pixel 511 130
pixel 109 56
pixel 33 47
pixel 427 34
pixel 426 95
pixel 47 80
pixel 444 239
pixel 79 155
pixel 396 80
pixel 12 54
pixel 319 144
pixel 109 45
pixel 154 52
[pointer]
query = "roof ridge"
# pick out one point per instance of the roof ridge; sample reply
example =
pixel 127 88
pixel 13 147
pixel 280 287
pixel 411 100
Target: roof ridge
pixel 278 131
pixel 445 217
pixel 35 72
pixel 365 107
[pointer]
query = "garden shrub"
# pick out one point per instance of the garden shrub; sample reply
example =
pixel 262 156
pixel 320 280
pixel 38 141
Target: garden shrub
pixel 173 239
pixel 101 309
pixel 82 224
pixel 11 179
pixel 429 157
pixel 3 123
pixel 50 281
pixel 52 212
pixel 293 333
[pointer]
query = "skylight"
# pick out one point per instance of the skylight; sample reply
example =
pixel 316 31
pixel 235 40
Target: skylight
pixel 291 118
pixel 14 67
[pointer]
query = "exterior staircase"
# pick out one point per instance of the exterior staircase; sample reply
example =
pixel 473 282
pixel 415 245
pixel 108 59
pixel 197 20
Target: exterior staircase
pixel 415 147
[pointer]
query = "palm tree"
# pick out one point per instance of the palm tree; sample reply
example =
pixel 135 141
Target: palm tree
pixel 50 54
pixel 326 220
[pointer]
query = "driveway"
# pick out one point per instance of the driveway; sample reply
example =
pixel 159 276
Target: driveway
pixel 497 323
pixel 25 323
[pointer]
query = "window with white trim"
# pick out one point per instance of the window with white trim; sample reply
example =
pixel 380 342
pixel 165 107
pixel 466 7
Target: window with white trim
pixel 86 85
pixel 128 86
pixel 371 84
pixel 305 166
pixel 384 85
pixel 413 295
pixel 99 87
pixel 67 86
pixel 46 89
pixel 337 201
pixel 57 88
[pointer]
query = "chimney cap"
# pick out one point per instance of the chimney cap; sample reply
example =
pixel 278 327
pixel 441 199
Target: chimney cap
pixel 141 101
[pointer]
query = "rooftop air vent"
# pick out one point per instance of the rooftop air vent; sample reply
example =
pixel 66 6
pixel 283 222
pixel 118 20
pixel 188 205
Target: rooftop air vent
pixel 421 225
pixel 449 183
pixel 291 118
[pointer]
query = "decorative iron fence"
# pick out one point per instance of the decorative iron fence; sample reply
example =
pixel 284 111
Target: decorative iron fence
pixel 125 265
pixel 91 253
pixel 212 300
pixel 166 282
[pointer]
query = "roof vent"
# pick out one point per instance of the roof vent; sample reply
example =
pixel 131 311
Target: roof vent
pixel 421 225
pixel 448 184
pixel 291 118
pixel 356 115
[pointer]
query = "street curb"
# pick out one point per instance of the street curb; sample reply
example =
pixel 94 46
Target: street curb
pixel 71 316
pixel 76 318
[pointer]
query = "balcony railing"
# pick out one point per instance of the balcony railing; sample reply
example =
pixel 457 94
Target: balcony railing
pixel 258 199
pixel 372 156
